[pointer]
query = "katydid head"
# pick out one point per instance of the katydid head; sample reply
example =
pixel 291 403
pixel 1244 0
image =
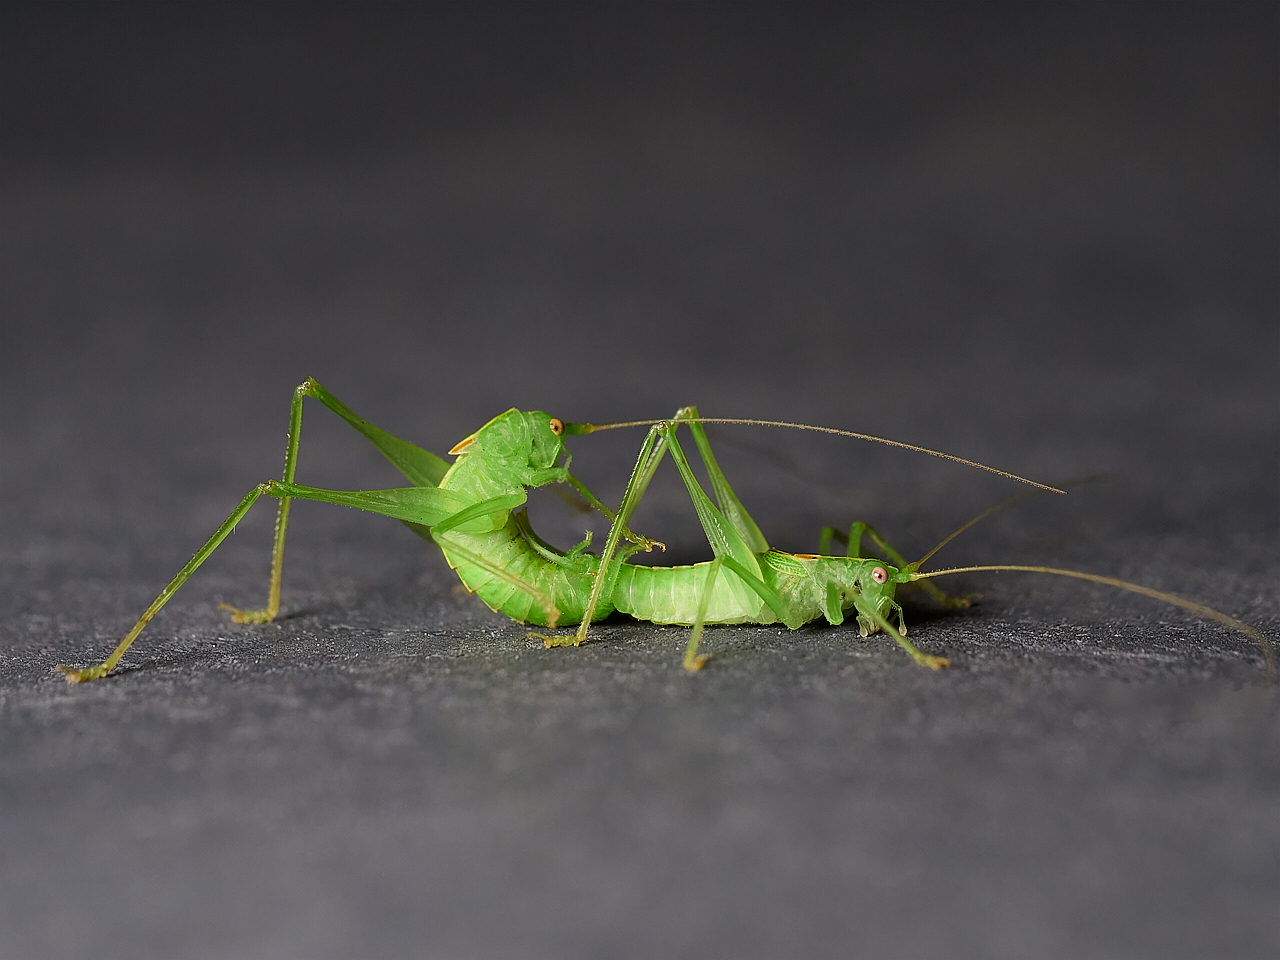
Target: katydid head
pixel 874 587
pixel 875 578
pixel 875 581
pixel 547 436
pixel 518 437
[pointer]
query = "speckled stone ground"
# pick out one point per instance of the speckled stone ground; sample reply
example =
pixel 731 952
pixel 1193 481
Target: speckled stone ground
pixel 1045 238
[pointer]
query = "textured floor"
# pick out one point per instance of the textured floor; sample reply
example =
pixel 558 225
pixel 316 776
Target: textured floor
pixel 1044 238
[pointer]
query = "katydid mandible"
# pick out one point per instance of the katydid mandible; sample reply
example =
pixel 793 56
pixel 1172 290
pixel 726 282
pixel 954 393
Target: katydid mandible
pixel 473 510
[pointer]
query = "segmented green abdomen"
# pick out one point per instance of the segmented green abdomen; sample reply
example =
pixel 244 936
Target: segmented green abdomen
pixel 567 589
pixel 672 595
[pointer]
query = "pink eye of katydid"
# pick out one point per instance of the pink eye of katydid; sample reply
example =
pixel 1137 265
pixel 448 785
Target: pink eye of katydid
pixel 556 426
pixel 879 575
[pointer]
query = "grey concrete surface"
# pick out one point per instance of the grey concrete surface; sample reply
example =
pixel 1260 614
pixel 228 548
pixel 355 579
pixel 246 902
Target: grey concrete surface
pixel 1041 237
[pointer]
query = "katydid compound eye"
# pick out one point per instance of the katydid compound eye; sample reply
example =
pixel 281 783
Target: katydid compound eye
pixel 879 575
pixel 556 426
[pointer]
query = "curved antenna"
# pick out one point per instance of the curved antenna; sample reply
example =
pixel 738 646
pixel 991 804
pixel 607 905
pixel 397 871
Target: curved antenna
pixel 1268 652
pixel 1009 502
pixel 1004 505
pixel 593 428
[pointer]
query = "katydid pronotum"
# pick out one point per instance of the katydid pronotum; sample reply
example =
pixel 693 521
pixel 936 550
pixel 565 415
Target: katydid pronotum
pixel 473 510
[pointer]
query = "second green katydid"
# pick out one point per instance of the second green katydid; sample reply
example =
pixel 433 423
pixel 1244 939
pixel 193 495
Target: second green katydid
pixel 473 509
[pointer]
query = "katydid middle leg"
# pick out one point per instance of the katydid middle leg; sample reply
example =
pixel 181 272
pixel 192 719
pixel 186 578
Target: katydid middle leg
pixel 730 531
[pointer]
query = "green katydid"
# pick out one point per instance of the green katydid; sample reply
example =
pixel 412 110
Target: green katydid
pixel 472 510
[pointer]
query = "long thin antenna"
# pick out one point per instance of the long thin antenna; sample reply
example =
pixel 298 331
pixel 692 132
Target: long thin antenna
pixel 1004 505
pixel 980 517
pixel 592 428
pixel 1268 651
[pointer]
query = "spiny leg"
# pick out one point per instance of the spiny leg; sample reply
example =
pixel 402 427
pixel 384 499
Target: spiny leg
pixel 731 532
pixel 692 661
pixel 725 538
pixel 652 450
pixel 420 466
pixel 443 511
pixel 899 634
pixel 427 506
pixel 272 608
pixel 101 670
pixel 644 543
pixel 726 499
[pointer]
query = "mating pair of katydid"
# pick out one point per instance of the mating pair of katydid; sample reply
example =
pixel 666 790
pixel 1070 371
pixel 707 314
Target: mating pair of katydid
pixel 473 510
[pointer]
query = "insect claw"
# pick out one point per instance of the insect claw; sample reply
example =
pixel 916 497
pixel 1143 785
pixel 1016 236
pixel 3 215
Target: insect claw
pixel 80 675
pixel 551 640
pixel 247 616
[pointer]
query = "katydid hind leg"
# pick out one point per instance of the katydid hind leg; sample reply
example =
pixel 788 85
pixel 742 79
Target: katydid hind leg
pixel 420 466
pixel 692 659
pixel 722 534
pixel 726 542
pixel 269 612
pixel 77 675
pixel 652 450
pixel 442 511
pixel 428 506
pixel 726 499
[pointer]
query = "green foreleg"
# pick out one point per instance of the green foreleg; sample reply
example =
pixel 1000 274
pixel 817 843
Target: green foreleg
pixel 644 543
pixel 899 634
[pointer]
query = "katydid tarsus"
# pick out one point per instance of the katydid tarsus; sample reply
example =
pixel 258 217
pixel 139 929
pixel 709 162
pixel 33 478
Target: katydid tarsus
pixel 473 510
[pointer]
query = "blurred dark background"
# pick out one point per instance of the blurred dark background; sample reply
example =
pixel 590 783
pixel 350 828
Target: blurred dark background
pixel 1044 236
